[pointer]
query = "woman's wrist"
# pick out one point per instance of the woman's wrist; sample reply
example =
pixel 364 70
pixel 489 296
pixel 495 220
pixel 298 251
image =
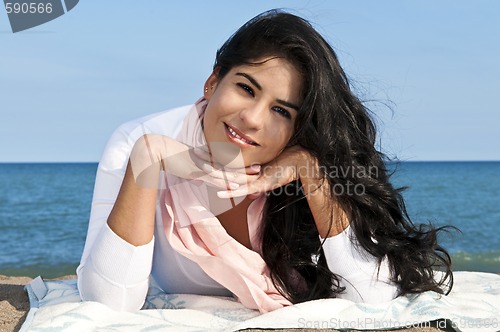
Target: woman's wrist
pixel 329 216
pixel 308 172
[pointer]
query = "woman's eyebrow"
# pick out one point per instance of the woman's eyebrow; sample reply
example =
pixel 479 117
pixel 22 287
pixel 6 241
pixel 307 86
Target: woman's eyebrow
pixel 288 104
pixel 251 79
pixel 258 86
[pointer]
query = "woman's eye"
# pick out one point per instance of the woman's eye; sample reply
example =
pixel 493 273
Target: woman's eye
pixel 245 87
pixel 282 112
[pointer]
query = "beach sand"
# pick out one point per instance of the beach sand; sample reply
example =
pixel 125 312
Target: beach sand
pixel 14 306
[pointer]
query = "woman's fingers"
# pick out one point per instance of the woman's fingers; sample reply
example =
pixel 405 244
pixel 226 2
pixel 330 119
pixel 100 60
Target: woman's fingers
pixel 219 183
pixel 236 175
pixel 258 186
pixel 215 174
pixel 233 193
pixel 271 178
pixel 253 169
pixel 254 188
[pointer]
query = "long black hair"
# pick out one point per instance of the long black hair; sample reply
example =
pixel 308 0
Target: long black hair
pixel 337 129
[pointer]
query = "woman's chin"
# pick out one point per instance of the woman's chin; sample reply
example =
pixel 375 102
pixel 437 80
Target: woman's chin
pixel 227 154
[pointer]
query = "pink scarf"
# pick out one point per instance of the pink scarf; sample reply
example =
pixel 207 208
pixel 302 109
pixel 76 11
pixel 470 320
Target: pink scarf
pixel 194 232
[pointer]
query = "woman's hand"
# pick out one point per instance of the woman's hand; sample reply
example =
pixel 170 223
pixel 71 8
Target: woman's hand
pixel 229 173
pixel 154 152
pixel 284 169
pixel 292 164
pixel 132 216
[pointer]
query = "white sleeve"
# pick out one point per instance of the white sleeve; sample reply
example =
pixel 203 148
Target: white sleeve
pixel 111 270
pixel 116 273
pixel 359 271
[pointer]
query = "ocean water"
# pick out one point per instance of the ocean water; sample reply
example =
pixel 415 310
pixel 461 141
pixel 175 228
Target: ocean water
pixel 463 194
pixel 44 211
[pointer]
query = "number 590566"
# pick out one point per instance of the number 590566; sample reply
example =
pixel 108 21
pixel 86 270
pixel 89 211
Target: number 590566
pixel 31 8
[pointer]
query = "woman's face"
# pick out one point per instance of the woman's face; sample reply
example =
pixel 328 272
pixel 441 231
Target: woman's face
pixel 253 108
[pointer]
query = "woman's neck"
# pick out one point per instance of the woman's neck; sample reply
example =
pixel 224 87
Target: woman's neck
pixel 232 215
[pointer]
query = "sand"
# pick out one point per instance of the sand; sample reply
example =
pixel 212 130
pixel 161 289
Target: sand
pixel 14 303
pixel 14 306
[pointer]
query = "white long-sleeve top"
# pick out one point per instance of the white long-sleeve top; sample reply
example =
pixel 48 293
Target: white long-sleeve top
pixel 116 273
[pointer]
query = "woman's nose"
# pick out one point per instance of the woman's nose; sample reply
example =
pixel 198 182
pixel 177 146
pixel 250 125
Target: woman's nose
pixel 254 117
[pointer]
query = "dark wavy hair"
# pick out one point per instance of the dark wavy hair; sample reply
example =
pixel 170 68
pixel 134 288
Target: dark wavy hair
pixel 335 126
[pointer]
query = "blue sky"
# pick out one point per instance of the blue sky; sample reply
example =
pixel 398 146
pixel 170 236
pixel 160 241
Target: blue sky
pixel 67 84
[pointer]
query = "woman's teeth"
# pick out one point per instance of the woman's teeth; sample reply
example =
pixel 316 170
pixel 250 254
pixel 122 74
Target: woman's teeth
pixel 239 137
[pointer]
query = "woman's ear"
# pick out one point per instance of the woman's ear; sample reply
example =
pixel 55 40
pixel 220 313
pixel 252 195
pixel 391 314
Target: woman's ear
pixel 211 84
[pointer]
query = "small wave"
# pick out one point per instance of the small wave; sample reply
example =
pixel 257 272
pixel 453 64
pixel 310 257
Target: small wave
pixel 487 261
pixel 46 271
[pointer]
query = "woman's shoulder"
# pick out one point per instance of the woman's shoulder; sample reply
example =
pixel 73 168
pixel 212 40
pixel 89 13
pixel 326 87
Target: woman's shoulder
pixel 166 123
pixel 119 145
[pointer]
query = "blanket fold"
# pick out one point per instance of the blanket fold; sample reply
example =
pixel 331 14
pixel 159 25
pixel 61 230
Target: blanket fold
pixel 473 305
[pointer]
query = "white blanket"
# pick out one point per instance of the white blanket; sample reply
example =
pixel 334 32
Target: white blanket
pixel 473 305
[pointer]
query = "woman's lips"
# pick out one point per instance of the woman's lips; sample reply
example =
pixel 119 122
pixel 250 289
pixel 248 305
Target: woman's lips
pixel 238 137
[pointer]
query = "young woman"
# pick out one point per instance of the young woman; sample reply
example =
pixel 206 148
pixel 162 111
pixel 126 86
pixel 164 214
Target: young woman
pixel 269 188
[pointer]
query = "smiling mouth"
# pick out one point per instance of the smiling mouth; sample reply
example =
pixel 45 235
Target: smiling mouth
pixel 236 137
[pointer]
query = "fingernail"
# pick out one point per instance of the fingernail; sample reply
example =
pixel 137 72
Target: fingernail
pixel 222 194
pixel 255 167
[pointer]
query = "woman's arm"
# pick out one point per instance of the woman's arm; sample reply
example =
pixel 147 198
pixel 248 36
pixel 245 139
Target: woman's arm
pixel 292 164
pixel 115 268
pixel 133 215
pixel 118 263
pixel 329 217
pixel 364 279
pixel 104 273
